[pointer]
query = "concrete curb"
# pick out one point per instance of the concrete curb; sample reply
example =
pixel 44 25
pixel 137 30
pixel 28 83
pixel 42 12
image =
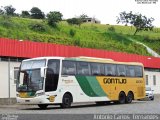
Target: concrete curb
pixel 7 101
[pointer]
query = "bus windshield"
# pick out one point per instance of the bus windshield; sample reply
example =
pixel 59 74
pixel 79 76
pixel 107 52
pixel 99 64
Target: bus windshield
pixel 31 80
pixel 33 64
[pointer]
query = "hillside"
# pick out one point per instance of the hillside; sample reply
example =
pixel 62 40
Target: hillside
pixel 106 37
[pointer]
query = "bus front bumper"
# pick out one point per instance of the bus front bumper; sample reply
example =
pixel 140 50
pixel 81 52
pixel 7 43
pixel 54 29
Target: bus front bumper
pixel 37 100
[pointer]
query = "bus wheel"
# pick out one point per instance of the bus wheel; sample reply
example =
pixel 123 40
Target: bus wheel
pixel 66 101
pixel 129 97
pixel 42 106
pixel 122 97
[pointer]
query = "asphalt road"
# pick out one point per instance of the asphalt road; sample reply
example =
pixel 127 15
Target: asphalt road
pixel 76 111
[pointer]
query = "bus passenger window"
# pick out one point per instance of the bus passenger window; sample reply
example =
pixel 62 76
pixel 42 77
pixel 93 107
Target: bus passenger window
pixel 121 70
pixel 130 71
pixel 83 68
pixel 96 69
pixel 68 68
pixel 138 71
pixel 110 69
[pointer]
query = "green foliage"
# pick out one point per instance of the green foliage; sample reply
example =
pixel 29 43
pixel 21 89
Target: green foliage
pixel 83 17
pixel 77 42
pixel 111 29
pixel 25 14
pixel 77 21
pixel 95 36
pixel 36 13
pixel 1 12
pixel 37 27
pixel 72 32
pixel 139 21
pixel 53 18
pixel 74 21
pixel 9 10
pixel 6 21
pixel 6 24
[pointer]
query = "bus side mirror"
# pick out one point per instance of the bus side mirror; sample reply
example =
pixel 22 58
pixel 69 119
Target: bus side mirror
pixel 43 71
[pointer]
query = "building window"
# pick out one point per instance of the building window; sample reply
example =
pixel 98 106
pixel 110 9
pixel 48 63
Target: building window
pixel 154 80
pixel 146 79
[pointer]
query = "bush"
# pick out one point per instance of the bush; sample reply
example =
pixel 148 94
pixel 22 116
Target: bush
pixel 111 29
pixel 53 18
pixel 6 24
pixel 72 32
pixel 37 27
pixel 77 42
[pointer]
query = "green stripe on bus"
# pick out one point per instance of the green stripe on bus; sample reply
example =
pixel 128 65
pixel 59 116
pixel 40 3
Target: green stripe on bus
pixel 84 84
pixel 95 86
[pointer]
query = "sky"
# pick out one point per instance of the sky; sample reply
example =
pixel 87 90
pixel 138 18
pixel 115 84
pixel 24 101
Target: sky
pixel 104 10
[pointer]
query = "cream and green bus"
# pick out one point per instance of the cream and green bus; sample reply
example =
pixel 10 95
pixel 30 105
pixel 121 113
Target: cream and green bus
pixel 65 80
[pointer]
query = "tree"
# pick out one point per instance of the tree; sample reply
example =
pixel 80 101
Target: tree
pixel 1 12
pixel 83 17
pixel 77 21
pixel 53 18
pixel 139 21
pixel 74 21
pixel 9 10
pixel 25 14
pixel 36 13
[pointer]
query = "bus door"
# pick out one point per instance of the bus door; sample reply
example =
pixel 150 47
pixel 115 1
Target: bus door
pixel 52 75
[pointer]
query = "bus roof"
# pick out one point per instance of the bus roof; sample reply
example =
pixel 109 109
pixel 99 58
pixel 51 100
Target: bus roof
pixel 100 60
pixel 88 59
pixel 47 57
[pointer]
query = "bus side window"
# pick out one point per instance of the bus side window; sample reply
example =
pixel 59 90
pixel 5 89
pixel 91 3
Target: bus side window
pixel 110 69
pixel 130 71
pixel 138 71
pixel 121 70
pixel 83 68
pixel 68 68
pixel 97 69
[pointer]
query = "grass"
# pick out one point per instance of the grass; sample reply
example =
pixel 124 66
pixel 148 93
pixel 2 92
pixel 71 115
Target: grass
pixel 98 36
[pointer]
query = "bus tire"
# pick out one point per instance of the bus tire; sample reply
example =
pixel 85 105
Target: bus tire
pixel 129 97
pixel 66 101
pixel 122 98
pixel 42 106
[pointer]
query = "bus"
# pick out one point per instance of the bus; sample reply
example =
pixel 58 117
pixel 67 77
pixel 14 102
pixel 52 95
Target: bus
pixel 62 81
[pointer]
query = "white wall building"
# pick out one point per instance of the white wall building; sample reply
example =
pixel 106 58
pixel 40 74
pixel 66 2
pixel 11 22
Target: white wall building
pixel 8 74
pixel 153 80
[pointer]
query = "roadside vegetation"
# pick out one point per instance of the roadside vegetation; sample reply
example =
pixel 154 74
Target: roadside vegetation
pixel 76 33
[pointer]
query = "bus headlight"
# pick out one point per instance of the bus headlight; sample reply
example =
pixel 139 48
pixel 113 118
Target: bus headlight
pixel 39 94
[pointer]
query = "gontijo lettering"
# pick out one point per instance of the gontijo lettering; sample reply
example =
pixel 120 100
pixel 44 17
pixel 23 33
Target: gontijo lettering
pixel 114 81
